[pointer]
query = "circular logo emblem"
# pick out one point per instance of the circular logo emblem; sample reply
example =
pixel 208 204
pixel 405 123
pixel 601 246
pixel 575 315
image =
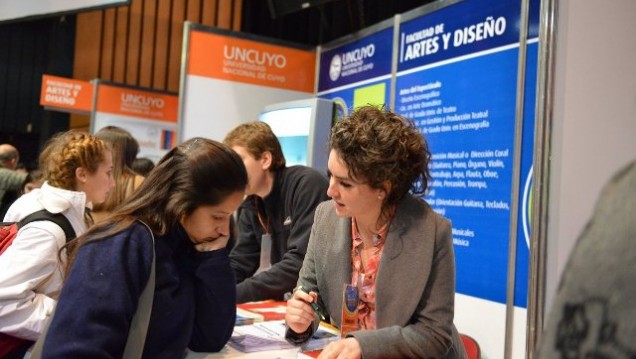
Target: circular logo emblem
pixel 341 107
pixel 335 67
pixel 526 207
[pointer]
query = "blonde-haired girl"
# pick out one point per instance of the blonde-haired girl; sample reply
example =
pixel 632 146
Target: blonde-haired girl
pixel 77 170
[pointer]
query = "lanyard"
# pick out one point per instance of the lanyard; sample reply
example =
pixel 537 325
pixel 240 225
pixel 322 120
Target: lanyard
pixel 260 219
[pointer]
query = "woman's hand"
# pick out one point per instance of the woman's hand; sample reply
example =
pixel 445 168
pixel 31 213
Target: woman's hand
pixel 299 315
pixel 348 348
pixel 213 245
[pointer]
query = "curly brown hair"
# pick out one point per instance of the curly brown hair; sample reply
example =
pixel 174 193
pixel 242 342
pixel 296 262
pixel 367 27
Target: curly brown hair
pixel 68 151
pixel 377 146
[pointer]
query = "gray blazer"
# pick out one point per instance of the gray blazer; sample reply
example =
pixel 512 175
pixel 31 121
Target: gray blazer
pixel 415 286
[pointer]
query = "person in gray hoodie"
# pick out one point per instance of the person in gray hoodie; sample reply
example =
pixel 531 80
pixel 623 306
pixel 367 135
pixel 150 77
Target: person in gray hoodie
pixel 593 314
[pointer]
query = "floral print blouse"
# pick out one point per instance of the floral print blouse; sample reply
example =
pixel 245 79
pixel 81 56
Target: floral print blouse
pixel 364 278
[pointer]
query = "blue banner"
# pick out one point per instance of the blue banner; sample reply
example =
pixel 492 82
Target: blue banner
pixel 460 29
pixel 457 79
pixel 466 111
pixel 376 93
pixel 363 59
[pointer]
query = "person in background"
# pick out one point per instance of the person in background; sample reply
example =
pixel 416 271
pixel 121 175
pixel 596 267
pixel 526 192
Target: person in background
pixel 125 149
pixel 37 180
pixel 391 251
pixel 186 203
pixel 143 166
pixel 9 156
pixel 78 172
pixel 12 182
pixel 275 217
pixel 593 313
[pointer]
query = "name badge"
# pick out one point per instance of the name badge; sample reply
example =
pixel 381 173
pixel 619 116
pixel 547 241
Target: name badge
pixel 350 299
pixel 266 253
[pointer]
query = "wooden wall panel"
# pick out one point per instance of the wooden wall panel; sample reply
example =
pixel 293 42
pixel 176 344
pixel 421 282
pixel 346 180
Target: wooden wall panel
pixel 120 50
pixel 134 42
pixel 224 15
pixel 162 45
pixel 208 12
pixel 176 40
pixel 193 11
pixel 88 45
pixel 237 15
pixel 146 62
pixel 108 43
pixel 141 44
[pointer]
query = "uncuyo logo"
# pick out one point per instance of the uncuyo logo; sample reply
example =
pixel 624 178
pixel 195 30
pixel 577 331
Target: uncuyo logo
pixel 335 67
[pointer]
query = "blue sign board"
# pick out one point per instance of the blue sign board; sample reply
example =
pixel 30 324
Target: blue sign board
pixel 363 59
pixel 376 92
pixel 457 79
pixel 460 29
pixel 466 111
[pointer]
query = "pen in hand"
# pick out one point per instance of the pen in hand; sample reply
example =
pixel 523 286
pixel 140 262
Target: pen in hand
pixel 315 306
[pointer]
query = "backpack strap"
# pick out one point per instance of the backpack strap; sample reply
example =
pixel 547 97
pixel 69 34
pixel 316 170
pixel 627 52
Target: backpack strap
pixel 139 326
pixel 57 218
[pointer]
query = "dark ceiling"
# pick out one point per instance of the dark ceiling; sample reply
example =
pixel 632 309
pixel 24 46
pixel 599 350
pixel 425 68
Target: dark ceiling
pixel 323 21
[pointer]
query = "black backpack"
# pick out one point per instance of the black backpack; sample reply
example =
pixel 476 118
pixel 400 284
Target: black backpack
pixel 9 230
pixel 10 345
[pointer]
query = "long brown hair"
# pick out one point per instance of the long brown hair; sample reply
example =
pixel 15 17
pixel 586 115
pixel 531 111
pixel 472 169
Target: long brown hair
pixel 125 149
pixel 196 173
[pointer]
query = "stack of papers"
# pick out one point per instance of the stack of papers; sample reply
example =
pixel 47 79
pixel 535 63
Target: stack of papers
pixel 260 337
pixel 271 336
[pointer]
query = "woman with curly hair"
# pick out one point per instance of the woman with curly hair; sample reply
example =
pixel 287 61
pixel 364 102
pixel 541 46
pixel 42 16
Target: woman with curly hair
pixel 380 261
pixel 77 168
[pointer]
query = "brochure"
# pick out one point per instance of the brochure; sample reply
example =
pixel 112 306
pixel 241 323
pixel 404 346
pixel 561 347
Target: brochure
pixel 270 335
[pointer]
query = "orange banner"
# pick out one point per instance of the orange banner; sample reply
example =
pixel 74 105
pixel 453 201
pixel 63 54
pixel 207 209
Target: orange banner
pixel 240 60
pixel 63 93
pixel 137 103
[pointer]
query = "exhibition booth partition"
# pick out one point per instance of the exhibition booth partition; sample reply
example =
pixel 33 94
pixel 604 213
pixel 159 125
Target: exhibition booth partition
pixel 228 78
pixel 464 71
pixel 149 115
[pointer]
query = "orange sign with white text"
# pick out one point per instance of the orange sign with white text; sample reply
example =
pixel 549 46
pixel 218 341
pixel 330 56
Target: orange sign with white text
pixel 136 103
pixel 240 60
pixel 69 94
